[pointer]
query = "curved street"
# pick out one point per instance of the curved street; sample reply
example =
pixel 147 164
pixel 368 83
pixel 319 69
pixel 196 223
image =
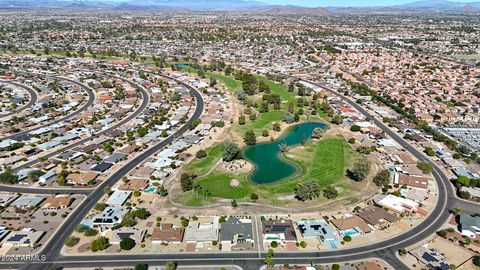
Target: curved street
pixel 91 99
pixel 33 97
pixel 386 249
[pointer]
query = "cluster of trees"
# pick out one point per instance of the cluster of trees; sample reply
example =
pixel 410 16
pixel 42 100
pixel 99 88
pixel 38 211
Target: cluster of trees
pixel 360 170
pixel 382 178
pixel 8 177
pixel 129 219
pixel 249 138
pixel 424 166
pixel 230 151
pixel 310 189
pixel 250 84
pixel 186 181
pixel 100 243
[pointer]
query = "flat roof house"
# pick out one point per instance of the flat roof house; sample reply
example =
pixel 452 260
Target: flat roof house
pixel 26 201
pixel 135 234
pixel 469 225
pixel 319 229
pixel 111 216
pixel 27 237
pixel 236 234
pixel 118 198
pixel 202 232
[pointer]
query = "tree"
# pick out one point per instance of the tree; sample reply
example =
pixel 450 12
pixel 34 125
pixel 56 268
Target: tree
pixel 265 133
pixel 288 117
pixel 337 119
pixel 100 206
pixel 200 154
pixel 442 233
pixel 254 197
pixel 100 243
pixel 274 244
pixel 234 203
pixel 171 266
pixel 71 241
pixel 424 166
pixel 347 238
pixel 402 252
pixel 127 243
pixel 429 151
pixel 162 191
pixel 195 123
pixel 186 181
pixel 8 177
pixel 463 180
pixel 276 126
pixel 241 120
pixel 141 266
pixel 355 128
pixel 317 133
pixel 382 178
pixel 307 190
pixel 476 260
pixel 360 170
pixel 330 192
pixel 335 266
pixel 249 138
pixel 230 151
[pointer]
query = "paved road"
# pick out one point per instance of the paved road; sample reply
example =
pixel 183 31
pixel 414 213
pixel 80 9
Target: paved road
pixel 53 247
pixel 31 92
pixel 91 99
pixel 385 249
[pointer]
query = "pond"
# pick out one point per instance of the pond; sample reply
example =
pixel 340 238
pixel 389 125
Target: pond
pixel 270 166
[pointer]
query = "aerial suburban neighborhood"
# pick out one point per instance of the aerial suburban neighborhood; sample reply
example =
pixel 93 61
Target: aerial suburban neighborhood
pixel 239 135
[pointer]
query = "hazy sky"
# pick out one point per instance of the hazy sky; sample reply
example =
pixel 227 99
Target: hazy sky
pixel 340 3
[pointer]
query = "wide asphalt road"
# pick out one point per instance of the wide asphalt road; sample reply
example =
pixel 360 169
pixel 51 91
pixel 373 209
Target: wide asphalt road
pixel 53 247
pixel 385 249
pixel 91 99
pixel 31 92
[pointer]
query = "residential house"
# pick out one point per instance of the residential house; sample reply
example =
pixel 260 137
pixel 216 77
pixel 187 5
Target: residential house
pixel 167 233
pixel 236 234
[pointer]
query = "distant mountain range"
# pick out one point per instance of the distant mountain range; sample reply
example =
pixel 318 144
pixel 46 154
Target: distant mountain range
pixel 236 5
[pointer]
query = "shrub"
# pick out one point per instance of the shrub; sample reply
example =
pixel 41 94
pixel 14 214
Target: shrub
pixel 201 154
pixel 127 243
pixel 71 241
pixel 100 243
pixel 442 233
pixel 90 232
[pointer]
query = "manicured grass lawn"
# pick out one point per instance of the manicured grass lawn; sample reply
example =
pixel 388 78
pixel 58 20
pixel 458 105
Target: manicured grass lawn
pixel 325 160
pixel 329 162
pixel 229 82
pixel 202 165
pixel 279 89
pixel 218 185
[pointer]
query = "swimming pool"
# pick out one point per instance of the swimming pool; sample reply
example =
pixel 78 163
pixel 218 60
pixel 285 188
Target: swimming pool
pixel 150 190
